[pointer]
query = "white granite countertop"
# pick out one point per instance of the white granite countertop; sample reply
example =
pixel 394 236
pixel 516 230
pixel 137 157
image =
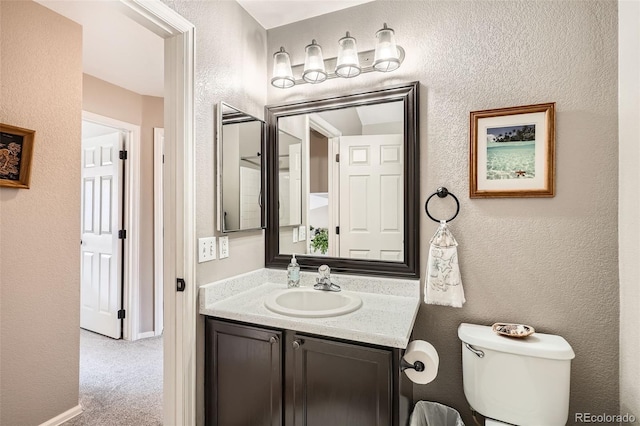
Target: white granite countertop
pixel 386 318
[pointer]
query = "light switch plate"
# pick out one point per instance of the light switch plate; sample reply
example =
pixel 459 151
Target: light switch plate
pixel 206 249
pixel 302 233
pixel 295 235
pixel 224 247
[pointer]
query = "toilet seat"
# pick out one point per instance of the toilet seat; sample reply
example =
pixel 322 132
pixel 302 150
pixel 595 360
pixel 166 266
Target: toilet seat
pixel 493 422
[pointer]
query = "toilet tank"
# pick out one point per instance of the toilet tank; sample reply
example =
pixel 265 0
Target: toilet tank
pixel 523 381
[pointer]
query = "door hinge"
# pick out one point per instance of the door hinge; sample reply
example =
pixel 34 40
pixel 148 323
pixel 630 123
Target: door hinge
pixel 181 284
pixel 337 230
pixel 337 158
pixel 162 158
pixel 122 234
pixel 121 314
pixel 123 155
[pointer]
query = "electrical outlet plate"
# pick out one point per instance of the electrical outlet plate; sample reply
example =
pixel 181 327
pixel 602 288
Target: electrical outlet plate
pixel 224 247
pixel 295 235
pixel 302 233
pixel 206 249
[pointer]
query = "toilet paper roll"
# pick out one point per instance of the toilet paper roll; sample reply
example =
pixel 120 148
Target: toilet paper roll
pixel 419 350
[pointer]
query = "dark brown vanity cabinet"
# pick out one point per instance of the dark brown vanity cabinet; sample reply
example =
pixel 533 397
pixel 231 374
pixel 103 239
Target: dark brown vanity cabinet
pixel 243 375
pixel 257 376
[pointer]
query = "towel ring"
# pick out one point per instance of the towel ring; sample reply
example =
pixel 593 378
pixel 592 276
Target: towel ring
pixel 442 192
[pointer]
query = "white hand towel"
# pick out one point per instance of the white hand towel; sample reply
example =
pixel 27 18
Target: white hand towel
pixel 443 284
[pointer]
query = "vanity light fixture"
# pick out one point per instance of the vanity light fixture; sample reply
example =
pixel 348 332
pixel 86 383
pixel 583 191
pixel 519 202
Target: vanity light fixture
pixel 314 71
pixel 386 57
pixel 282 74
pixel 348 65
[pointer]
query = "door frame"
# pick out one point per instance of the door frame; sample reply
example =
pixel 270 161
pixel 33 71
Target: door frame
pixel 158 229
pixel 180 313
pixel 131 255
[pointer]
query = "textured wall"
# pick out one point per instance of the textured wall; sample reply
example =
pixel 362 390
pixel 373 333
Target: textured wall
pixel 231 66
pixel 551 263
pixel 629 129
pixel 40 89
pixel 106 99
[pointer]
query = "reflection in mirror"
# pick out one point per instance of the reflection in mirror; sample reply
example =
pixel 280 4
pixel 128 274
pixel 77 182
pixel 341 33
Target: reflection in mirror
pixel 240 138
pixel 289 178
pixel 355 186
pixel 360 215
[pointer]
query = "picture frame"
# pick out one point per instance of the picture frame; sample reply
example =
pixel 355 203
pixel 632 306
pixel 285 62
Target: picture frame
pixel 16 152
pixel 512 152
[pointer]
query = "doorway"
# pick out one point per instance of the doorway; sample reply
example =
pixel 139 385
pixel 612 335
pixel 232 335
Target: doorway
pixel 180 308
pixel 112 292
pixel 115 352
pixel 327 204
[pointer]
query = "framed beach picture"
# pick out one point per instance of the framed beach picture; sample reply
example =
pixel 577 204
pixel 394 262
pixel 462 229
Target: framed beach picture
pixel 16 149
pixel 512 152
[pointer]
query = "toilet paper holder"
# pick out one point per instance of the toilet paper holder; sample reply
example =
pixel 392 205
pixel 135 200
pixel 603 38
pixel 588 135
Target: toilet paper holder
pixel 418 365
pixel 420 362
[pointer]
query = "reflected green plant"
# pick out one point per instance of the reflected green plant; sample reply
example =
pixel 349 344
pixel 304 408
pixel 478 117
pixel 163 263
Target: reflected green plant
pixel 320 240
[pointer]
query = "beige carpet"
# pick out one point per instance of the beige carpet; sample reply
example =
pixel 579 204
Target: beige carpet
pixel 120 381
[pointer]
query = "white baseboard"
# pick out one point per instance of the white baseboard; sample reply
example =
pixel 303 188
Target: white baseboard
pixel 146 335
pixel 61 418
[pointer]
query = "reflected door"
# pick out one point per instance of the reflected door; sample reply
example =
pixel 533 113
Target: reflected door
pixel 100 290
pixel 371 197
pixel 249 198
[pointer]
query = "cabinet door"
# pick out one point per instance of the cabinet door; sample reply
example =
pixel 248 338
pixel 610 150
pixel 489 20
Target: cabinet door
pixel 333 383
pixel 243 375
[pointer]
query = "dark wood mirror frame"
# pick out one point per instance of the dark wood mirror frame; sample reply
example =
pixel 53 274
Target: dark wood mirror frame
pixel 408 93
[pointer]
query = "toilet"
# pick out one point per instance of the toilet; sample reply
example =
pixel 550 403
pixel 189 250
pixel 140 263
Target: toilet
pixel 516 381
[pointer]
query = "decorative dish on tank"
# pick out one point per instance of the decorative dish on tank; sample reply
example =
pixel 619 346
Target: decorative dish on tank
pixel 513 330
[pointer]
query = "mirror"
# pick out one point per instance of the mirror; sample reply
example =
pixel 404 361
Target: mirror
pixel 342 182
pixel 239 190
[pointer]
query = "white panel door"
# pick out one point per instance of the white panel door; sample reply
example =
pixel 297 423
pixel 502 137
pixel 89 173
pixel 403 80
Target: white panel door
pixel 100 289
pixel 371 197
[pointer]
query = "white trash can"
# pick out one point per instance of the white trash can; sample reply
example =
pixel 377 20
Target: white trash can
pixel 427 413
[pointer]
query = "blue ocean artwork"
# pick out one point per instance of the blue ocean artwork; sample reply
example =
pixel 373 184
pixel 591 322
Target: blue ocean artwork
pixel 511 152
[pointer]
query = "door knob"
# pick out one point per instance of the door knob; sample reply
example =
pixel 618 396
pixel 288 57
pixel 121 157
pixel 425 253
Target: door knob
pixel 297 343
pixel 273 340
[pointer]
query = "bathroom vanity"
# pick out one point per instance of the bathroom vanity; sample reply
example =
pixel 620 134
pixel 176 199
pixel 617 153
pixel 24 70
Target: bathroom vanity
pixel 265 368
pixel 263 376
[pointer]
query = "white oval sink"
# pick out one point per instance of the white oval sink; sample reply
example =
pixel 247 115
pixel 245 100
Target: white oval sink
pixel 307 302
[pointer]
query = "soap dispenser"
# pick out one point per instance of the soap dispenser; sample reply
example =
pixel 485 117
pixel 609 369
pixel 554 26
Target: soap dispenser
pixel 293 273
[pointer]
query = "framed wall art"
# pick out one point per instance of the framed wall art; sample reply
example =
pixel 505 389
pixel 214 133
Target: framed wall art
pixel 512 152
pixel 16 150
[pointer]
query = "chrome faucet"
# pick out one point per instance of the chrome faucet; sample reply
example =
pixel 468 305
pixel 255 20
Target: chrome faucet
pixel 323 281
